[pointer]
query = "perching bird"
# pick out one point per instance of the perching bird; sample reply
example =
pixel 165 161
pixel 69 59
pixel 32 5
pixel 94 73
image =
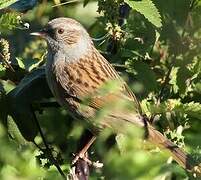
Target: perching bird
pixel 77 75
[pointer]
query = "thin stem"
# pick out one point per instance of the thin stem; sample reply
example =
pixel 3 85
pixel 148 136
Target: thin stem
pixel 119 65
pixel 51 157
pixel 167 78
pixel 34 142
pixel 84 150
pixel 68 2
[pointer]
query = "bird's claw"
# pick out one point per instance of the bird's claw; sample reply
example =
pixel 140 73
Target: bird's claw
pixel 82 156
pixel 76 157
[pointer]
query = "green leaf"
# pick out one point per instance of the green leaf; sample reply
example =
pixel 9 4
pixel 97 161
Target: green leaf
pixel 183 80
pixel 85 2
pixel 29 64
pixel 120 139
pixel 198 87
pixel 6 3
pixel 33 55
pixel 148 9
pixel 180 80
pixel 175 10
pixel 20 99
pixel 173 79
pixel 192 109
pixel 28 88
pixel 144 75
pixel 2 70
pixel 14 132
pixel 20 62
pixel 9 21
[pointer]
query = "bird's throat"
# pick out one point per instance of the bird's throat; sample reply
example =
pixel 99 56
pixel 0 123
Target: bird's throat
pixel 76 51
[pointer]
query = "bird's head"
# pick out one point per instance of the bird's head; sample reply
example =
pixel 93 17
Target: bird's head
pixel 66 35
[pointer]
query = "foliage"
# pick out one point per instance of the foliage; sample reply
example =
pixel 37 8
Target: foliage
pixel 9 21
pixel 154 45
pixel 6 3
pixel 148 9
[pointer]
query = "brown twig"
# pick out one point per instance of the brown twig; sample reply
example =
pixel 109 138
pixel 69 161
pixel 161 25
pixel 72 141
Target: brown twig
pixel 84 150
pixel 81 162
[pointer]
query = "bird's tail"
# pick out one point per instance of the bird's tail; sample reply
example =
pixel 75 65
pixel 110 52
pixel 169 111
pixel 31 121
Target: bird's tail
pixel 177 153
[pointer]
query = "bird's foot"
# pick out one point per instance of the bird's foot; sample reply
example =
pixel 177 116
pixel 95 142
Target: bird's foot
pixel 80 155
pixel 84 157
pixel 83 153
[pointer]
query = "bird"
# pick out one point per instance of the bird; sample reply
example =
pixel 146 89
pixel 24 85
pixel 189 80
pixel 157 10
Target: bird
pixel 78 76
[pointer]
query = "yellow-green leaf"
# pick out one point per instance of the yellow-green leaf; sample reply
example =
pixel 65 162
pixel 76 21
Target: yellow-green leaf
pixel 6 3
pixel 148 9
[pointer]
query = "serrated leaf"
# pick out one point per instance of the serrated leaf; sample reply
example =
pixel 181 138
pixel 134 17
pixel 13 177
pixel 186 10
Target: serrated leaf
pixel 180 80
pixel 176 10
pixel 148 9
pixel 6 3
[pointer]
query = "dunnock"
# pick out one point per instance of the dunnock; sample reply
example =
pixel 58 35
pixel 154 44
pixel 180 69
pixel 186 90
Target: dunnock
pixel 76 70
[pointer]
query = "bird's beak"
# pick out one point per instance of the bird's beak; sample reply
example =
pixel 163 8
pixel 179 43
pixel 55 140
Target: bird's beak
pixel 41 33
pixel 36 34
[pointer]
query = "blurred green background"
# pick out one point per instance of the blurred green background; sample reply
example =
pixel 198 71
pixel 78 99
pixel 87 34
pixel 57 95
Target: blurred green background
pixel 155 46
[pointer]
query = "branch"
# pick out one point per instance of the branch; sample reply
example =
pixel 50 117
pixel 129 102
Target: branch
pixel 50 155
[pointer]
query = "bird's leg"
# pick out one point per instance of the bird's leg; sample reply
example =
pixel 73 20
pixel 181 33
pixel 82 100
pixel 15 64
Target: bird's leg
pixel 81 154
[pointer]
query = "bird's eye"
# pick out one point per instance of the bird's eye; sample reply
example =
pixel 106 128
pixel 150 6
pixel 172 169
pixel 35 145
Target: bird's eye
pixel 60 31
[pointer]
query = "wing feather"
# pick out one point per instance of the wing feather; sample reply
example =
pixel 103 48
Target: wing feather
pixel 82 79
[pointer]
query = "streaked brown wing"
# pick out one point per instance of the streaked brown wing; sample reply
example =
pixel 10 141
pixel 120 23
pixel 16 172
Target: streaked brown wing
pixel 83 78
